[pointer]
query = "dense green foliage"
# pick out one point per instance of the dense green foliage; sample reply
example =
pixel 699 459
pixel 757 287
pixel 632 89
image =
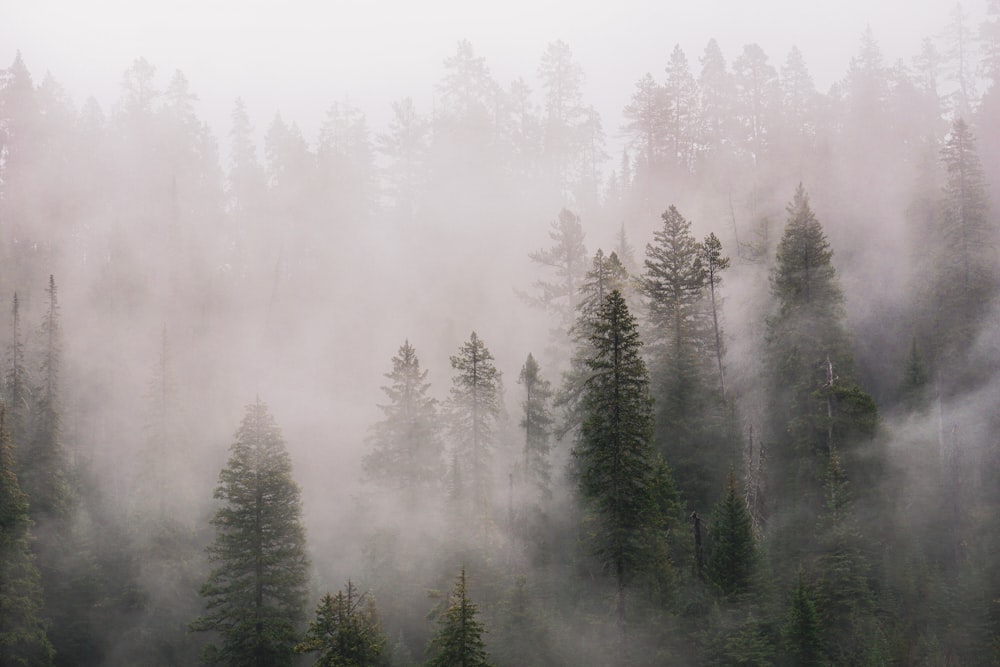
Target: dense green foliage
pixel 345 632
pixel 255 594
pixel 459 640
pixel 23 639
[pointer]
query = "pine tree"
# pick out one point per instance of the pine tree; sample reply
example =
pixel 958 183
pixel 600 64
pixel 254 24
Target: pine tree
pixel 731 546
pixel 567 258
pixel 713 263
pixel 405 445
pixel 346 631
pixel 967 265
pixel 17 383
pixel 475 409
pixel 537 424
pixel 845 603
pixel 614 457
pixel 43 470
pixel 803 641
pixel 459 641
pixel 255 593
pixel 23 639
pixel 690 415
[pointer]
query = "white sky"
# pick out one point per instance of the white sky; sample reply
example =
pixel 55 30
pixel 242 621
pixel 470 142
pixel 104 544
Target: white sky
pixel 299 57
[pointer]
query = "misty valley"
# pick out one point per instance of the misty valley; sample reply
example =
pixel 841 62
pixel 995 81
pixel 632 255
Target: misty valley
pixel 496 383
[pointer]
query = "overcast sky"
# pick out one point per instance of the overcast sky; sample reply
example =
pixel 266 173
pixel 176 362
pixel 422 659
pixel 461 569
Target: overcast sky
pixel 298 56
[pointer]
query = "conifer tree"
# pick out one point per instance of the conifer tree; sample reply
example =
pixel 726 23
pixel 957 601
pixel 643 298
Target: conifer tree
pixel 17 382
pixel 405 445
pixel 802 630
pixel 689 409
pixel 815 404
pixel 537 424
pixel 913 389
pixel 714 263
pixel 475 409
pixel 567 258
pixel 614 457
pixel 43 469
pixel 459 641
pixel 731 544
pixel 23 639
pixel 967 265
pixel 346 631
pixel 255 593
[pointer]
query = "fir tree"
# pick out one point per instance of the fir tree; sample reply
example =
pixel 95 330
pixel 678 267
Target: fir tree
pixel 459 641
pixel 255 593
pixel 714 263
pixel 802 631
pixel 17 383
pixel 537 424
pixel 913 390
pixel 23 639
pixel 690 414
pixel 731 544
pixel 405 445
pixel 475 408
pixel 346 631
pixel 43 468
pixel 967 262
pixel 614 457
pixel 567 258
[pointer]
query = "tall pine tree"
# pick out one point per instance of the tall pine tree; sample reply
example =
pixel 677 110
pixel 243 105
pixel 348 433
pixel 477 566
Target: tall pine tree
pixel 255 593
pixel 614 457
pixel 23 639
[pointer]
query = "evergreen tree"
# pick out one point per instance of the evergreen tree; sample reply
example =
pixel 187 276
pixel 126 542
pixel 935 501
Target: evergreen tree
pixel 682 93
pixel 43 469
pixel 475 409
pixel 346 632
pixel 802 630
pixel 967 265
pixel 255 594
pixel 17 383
pixel 459 641
pixel 23 639
pixel 405 445
pixel 606 275
pixel 731 544
pixel 713 263
pixel 614 457
pixel 567 258
pixel 537 424
pixel 690 415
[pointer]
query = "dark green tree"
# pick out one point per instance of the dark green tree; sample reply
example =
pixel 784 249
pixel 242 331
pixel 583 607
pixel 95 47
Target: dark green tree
pixel 459 640
pixel 614 456
pixel 802 632
pixel 346 631
pixel 732 549
pixel 255 593
pixel 23 639
pixel 406 448
pixel 606 274
pixel 844 601
pixel 475 409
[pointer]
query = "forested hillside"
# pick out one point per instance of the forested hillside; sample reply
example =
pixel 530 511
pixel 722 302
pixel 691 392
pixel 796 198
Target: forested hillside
pixel 499 384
